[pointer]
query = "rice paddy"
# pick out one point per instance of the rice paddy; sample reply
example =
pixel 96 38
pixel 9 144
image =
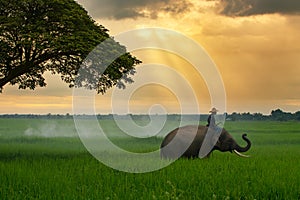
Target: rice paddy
pixel 45 159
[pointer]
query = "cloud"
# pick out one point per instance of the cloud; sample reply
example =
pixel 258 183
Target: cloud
pixel 120 9
pixel 257 7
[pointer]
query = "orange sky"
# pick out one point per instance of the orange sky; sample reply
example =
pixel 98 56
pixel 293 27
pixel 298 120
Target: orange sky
pixel 255 47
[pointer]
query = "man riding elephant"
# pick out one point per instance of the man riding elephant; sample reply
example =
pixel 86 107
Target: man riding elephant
pixel 211 121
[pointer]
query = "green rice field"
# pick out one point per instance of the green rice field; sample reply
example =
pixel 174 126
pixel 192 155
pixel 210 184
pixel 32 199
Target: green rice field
pixel 45 159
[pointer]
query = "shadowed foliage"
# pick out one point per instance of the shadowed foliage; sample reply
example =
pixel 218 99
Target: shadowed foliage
pixel 56 35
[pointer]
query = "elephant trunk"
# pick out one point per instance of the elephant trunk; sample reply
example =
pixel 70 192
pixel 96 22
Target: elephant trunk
pixel 243 149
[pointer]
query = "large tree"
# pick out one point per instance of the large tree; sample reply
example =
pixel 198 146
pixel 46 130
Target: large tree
pixel 57 36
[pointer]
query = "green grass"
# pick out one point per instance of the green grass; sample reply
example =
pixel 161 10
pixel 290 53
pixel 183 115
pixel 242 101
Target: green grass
pixel 36 165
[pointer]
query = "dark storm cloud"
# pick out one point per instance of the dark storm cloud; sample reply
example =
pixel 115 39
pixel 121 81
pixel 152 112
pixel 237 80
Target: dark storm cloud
pixel 256 7
pixel 120 9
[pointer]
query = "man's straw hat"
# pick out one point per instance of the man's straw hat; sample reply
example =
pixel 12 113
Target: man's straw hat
pixel 213 110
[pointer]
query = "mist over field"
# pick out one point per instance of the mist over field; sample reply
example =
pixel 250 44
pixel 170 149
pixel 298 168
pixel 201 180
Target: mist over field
pixel 50 129
pixel 140 127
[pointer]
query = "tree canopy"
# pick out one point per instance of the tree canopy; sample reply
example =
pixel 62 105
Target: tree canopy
pixel 57 35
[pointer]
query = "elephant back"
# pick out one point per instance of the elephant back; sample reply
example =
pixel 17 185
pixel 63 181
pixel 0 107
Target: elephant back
pixel 183 142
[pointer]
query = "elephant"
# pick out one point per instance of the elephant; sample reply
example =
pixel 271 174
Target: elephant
pixel 186 142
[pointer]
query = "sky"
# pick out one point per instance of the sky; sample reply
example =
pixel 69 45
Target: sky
pixel 254 44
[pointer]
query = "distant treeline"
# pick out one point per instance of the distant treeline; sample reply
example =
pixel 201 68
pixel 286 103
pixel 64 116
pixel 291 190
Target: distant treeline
pixel 276 115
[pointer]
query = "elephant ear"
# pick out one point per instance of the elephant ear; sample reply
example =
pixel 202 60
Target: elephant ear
pixel 209 142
